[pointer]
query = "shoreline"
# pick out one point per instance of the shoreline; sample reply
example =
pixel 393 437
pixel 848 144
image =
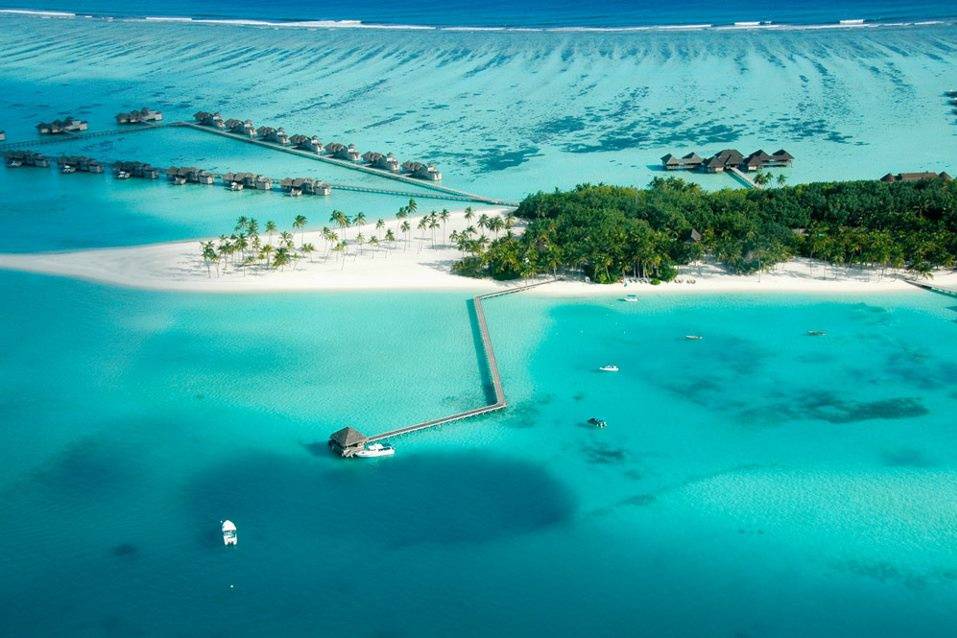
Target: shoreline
pixel 413 264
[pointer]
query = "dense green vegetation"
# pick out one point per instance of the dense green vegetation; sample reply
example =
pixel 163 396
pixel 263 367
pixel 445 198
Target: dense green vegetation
pixel 609 232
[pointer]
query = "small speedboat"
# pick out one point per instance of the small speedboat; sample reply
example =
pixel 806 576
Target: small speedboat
pixel 122 175
pixel 598 423
pixel 694 337
pixel 611 367
pixel 630 298
pixel 375 449
pixel 816 333
pixel 229 533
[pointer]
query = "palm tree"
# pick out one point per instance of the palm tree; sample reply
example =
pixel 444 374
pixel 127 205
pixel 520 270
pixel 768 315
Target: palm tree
pixel 380 224
pixel 406 228
pixel 252 227
pixel 209 257
pixel 307 249
pixel 390 237
pixel 281 258
pixel 266 253
pixel 412 207
pixel 360 239
pixel 469 213
pixel 483 221
pixel 241 223
pixel 340 219
pixel 444 216
pixel 330 238
pixel 782 178
pixel 359 219
pixel 298 224
pixel 241 244
pixel 270 229
pixel 374 245
pixel 433 224
pixel 285 238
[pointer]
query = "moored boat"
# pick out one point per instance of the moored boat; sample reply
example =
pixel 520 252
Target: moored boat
pixel 611 367
pixel 816 333
pixel 630 298
pixel 598 423
pixel 374 450
pixel 229 533
pixel 694 337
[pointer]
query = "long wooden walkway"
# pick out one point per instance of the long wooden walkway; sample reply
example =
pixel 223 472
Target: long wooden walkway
pixel 459 194
pixel 73 137
pixel 928 287
pixel 738 174
pixel 489 355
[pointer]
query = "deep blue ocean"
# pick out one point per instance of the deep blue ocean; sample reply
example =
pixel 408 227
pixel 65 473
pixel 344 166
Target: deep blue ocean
pixel 528 13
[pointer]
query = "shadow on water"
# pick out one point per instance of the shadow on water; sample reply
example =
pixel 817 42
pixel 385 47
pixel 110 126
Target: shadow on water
pixel 483 363
pixel 448 498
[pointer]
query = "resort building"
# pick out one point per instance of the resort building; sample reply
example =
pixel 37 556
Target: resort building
pixel 690 162
pixel 296 186
pixel 422 171
pixel 382 162
pixel 213 120
pixel 727 159
pixel 16 159
pixel 306 143
pixel 189 174
pixel 915 177
pixel 240 127
pixel 141 116
pixel 275 135
pixel 239 181
pixel 135 169
pixel 347 441
pixel 66 125
pixel 343 152
pixel 78 163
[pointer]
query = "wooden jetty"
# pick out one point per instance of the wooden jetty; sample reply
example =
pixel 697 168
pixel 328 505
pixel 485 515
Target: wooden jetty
pixel 742 177
pixel 930 288
pixel 69 136
pixel 351 165
pixel 347 441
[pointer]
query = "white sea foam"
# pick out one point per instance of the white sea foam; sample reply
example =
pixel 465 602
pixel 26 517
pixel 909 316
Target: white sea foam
pixel 39 14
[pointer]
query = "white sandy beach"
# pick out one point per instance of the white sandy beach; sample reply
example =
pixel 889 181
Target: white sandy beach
pixel 413 265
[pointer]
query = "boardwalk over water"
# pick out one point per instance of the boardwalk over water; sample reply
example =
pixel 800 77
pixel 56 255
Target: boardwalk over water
pixel 459 194
pixel 74 137
pixel 742 177
pixel 491 363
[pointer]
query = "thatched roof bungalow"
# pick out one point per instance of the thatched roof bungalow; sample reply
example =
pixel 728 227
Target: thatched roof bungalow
pixel 382 162
pixel 915 177
pixel 347 441
pixel 31 159
pixel 343 152
pixel 66 125
pixel 306 143
pixel 74 163
pixel 214 120
pixel 136 169
pixel 191 174
pixel 305 185
pixel 275 135
pixel 245 128
pixel 141 116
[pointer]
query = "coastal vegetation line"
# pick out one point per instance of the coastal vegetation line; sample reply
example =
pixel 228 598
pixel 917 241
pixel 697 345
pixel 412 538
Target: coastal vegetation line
pixel 610 232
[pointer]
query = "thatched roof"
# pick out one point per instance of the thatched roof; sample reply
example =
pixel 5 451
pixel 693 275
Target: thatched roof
pixel 348 437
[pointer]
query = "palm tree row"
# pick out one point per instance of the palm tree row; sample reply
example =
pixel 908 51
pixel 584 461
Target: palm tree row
pixel 244 247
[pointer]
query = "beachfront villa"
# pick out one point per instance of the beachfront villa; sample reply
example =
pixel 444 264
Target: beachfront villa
pixel 136 169
pixel 418 170
pixel 296 186
pixel 17 159
pixel 343 152
pixel 726 159
pixel 275 135
pixel 67 125
pixel 239 127
pixel 240 181
pixel 915 177
pixel 383 162
pixel 142 116
pixel 189 174
pixel 306 143
pixel 212 120
pixel 78 163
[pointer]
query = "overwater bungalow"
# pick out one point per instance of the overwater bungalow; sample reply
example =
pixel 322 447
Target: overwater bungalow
pixel 915 177
pixel 31 159
pixel 142 116
pixel 189 174
pixel 245 128
pixel 239 181
pixel 66 125
pixel 418 170
pixel 722 160
pixel 755 161
pixel 136 169
pixel 382 162
pixel 306 143
pixel 78 163
pixel 213 120
pixel 304 186
pixel 343 152
pixel 780 157
pixel 691 161
pixel 274 135
pixel 347 441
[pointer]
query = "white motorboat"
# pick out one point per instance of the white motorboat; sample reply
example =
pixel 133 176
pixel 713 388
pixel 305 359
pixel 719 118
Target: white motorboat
pixel 611 367
pixel 630 298
pixel 694 337
pixel 374 450
pixel 229 533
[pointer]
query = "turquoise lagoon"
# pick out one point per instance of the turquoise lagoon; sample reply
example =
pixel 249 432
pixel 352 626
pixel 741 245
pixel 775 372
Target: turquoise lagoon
pixel 757 483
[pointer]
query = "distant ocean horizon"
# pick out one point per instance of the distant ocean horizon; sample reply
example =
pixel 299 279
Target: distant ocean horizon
pixel 498 14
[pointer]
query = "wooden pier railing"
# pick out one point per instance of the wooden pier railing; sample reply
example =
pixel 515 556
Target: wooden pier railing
pixel 488 353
